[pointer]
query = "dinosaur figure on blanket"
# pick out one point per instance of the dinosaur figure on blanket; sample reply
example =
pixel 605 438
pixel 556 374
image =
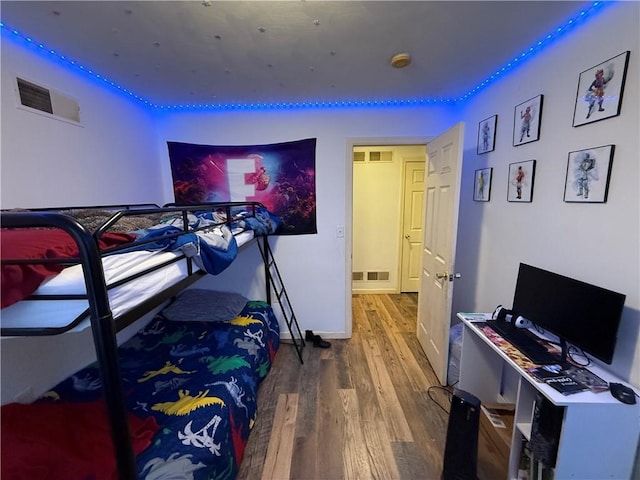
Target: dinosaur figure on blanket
pixel 181 351
pixel 172 338
pixel 168 368
pixel 234 390
pixel 244 321
pixel 187 403
pixel 202 438
pixel 249 345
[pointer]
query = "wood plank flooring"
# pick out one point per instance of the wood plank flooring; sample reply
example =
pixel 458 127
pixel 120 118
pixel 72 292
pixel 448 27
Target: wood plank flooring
pixel 362 409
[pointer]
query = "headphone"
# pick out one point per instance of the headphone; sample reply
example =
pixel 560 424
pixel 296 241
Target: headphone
pixel 504 315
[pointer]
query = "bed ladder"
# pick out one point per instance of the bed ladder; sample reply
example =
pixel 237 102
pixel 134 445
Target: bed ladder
pixel 274 280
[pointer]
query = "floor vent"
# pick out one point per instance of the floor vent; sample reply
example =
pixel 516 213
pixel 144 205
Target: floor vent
pixel 48 101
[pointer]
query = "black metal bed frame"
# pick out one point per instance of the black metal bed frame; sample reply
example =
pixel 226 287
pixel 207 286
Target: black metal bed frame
pixel 103 324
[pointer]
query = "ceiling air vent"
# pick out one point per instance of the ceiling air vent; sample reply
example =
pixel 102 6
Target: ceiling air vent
pixel 48 101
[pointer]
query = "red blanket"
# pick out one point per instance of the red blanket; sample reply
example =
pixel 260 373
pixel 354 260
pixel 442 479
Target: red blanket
pixel 20 281
pixel 69 441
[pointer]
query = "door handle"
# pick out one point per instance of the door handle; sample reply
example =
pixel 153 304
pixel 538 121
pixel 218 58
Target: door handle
pixel 407 236
pixel 447 275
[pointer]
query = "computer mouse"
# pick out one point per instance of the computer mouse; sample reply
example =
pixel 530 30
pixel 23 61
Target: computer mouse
pixel 622 393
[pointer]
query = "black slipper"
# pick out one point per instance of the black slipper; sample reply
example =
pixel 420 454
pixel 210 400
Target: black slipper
pixel 320 343
pixel 317 340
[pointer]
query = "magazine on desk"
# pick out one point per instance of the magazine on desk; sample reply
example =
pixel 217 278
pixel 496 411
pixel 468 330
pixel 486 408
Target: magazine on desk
pixel 568 380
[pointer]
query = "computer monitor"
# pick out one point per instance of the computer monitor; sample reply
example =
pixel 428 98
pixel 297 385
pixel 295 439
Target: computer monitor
pixel 579 313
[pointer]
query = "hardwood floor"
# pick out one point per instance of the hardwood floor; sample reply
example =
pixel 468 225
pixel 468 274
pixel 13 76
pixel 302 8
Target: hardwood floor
pixel 362 409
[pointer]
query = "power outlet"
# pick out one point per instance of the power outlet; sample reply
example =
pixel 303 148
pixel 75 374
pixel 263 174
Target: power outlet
pixel 340 231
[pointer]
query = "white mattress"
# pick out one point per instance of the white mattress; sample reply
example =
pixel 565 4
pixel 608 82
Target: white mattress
pixel 58 313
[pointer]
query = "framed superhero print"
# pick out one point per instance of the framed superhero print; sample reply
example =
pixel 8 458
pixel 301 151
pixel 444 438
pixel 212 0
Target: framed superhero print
pixel 600 91
pixel 520 187
pixel 526 121
pixel 482 185
pixel 588 173
pixel 487 135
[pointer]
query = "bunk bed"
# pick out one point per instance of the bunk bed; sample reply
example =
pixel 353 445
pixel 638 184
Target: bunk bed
pixel 80 275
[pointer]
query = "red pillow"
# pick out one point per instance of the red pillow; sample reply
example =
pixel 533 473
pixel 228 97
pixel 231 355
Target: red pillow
pixel 20 281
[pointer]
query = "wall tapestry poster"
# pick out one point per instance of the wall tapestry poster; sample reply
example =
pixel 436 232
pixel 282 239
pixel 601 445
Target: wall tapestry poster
pixel 281 176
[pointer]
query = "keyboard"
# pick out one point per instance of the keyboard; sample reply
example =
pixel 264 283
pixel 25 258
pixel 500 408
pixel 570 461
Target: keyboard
pixel 525 341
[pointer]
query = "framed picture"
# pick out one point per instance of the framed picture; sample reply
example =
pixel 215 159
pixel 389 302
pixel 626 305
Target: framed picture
pixel 487 135
pixel 588 173
pixel 526 121
pixel 482 185
pixel 521 175
pixel 600 91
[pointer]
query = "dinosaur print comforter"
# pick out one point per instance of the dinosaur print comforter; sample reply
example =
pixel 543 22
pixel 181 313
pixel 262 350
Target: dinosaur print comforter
pixel 199 380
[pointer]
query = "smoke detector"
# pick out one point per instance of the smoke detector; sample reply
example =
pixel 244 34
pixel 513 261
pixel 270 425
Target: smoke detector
pixel 400 60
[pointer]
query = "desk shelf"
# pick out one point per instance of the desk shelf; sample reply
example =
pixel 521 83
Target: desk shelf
pixel 598 436
pixel 525 429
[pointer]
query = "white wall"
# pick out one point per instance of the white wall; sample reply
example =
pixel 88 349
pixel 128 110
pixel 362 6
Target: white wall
pixel 314 267
pixel 111 158
pixel 596 243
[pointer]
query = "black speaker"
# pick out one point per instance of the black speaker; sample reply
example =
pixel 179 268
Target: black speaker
pixel 461 448
pixel 545 431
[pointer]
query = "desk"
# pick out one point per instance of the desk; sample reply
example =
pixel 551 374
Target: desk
pixel 599 434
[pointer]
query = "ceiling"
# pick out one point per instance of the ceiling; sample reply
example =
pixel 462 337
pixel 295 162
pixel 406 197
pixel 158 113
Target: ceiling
pixel 267 52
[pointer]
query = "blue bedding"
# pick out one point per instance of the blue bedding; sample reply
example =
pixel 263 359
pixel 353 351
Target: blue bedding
pixel 213 247
pixel 199 380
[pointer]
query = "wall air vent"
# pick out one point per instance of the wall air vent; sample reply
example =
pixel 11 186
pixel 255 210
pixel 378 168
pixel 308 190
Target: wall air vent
pixel 358 156
pixel 357 276
pixel 377 275
pixel 42 99
pixel 34 96
pixel 381 156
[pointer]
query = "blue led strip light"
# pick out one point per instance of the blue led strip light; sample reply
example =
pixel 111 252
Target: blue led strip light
pixel 517 60
pixel 69 62
pixel 305 105
pixel 542 43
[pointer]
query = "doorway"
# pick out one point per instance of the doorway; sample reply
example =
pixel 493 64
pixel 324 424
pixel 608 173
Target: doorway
pixel 387 190
pixel 443 157
pixel 348 273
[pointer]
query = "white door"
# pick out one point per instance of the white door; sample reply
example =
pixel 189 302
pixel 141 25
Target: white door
pixel 442 200
pixel 412 220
